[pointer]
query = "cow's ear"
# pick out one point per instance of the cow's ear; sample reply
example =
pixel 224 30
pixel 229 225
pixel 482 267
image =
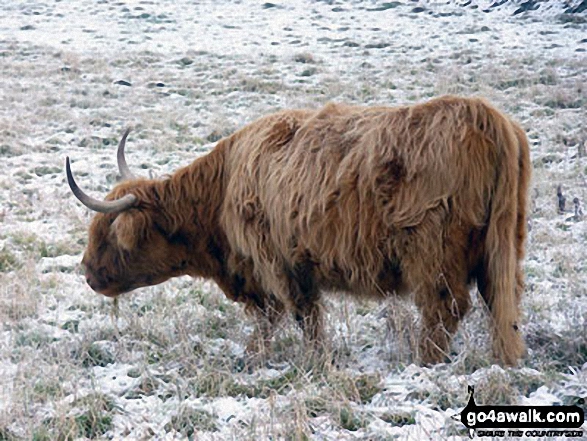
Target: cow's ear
pixel 129 228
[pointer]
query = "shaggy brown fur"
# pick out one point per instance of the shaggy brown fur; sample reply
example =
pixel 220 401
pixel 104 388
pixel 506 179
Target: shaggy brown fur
pixel 371 201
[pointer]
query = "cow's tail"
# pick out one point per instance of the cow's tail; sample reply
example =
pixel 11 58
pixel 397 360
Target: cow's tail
pixel 506 233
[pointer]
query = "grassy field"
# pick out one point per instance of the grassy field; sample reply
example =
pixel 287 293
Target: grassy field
pixel 170 362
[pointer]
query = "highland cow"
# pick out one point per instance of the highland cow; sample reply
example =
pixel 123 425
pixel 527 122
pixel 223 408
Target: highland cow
pixel 426 199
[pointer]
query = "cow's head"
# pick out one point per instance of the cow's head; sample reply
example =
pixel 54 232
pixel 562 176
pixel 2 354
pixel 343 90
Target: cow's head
pixel 129 245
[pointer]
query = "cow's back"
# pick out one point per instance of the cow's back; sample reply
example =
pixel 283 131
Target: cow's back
pixel 342 187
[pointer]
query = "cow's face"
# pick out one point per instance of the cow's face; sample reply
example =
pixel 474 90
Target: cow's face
pixel 130 250
pixel 128 244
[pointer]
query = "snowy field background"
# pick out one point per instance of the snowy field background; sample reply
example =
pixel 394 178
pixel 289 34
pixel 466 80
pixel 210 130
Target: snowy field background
pixel 171 364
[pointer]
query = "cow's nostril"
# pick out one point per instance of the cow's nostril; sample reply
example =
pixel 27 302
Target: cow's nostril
pixel 90 280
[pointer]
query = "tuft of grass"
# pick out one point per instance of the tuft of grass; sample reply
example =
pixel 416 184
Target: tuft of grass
pixel 32 338
pixel 564 102
pixel 188 421
pixel 147 386
pixel 216 384
pixel 24 176
pixel 8 261
pixel 309 72
pixel 341 412
pixel 546 77
pixel 90 417
pixel 368 385
pixel 496 388
pixel 7 435
pixel 360 389
pixel 572 19
pixel 402 329
pixel 439 397
pixel 95 354
pixel 218 134
pixel 251 84
pixel 557 350
pixel 296 424
pixel 399 418
pixel 17 299
pixel 527 382
pixel 47 389
pixel 92 425
pixel 317 405
pixel 96 417
pixel 44 433
pixel 280 384
pixel 42 170
pixel 350 419
pixel 304 58
pixel 71 326
pixel 338 397
pixel 8 151
pixel 36 247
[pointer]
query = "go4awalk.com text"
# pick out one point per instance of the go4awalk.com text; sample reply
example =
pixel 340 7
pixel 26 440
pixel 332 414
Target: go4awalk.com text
pixel 519 421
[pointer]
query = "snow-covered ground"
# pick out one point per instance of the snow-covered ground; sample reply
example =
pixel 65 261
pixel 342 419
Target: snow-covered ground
pixel 171 363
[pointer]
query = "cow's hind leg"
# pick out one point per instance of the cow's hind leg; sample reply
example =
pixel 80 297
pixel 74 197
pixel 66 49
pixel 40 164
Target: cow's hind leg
pixel 511 348
pixel 442 295
pixel 442 307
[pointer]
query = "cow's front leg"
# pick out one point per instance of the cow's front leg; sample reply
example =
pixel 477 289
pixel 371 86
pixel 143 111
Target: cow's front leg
pixel 265 319
pixel 310 319
pixel 304 297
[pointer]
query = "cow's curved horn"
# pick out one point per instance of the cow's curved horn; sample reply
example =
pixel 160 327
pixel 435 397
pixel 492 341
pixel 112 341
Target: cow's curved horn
pixel 116 206
pixel 125 172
